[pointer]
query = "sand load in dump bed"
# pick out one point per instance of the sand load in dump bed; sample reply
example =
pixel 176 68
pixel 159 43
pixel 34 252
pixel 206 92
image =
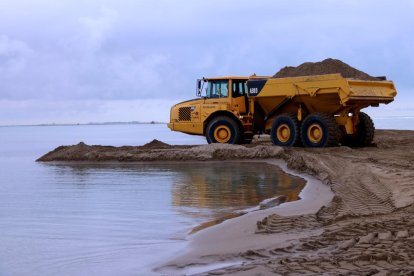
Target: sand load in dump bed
pixel 327 66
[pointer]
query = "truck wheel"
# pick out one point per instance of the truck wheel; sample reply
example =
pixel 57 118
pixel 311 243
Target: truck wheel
pixel 364 133
pixel 319 130
pixel 285 130
pixel 365 130
pixel 223 130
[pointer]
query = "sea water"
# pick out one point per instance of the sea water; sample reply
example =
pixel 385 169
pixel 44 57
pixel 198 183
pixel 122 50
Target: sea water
pixel 398 122
pixel 113 219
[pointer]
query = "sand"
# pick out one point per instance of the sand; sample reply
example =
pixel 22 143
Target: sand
pixel 356 215
pixel 327 66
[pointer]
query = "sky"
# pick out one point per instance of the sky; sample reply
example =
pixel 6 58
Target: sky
pixel 73 61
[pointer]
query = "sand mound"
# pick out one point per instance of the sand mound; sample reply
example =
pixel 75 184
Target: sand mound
pixel 159 151
pixel 327 66
pixel 155 144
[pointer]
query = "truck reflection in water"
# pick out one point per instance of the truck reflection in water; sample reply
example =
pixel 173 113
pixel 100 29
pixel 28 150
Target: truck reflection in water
pixel 225 187
pixel 200 191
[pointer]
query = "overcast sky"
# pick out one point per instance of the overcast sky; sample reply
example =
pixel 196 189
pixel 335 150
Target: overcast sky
pixel 72 61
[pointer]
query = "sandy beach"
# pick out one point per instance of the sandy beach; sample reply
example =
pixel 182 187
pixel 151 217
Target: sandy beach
pixel 355 217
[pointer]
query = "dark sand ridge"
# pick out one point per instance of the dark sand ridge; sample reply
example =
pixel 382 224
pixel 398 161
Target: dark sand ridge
pixel 327 66
pixel 366 228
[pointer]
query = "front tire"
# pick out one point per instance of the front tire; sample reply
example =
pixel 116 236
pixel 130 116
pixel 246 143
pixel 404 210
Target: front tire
pixel 319 130
pixel 223 130
pixel 285 130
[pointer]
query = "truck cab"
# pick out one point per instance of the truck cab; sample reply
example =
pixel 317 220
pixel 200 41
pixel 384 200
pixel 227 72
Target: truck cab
pixel 227 90
pixel 222 100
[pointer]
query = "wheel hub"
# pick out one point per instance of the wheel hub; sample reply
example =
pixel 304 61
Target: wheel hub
pixel 283 133
pixel 315 133
pixel 222 134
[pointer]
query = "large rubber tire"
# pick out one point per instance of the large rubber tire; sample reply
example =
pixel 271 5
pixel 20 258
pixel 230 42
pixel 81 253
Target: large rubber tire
pixel 320 130
pixel 285 130
pixel 364 134
pixel 365 131
pixel 223 130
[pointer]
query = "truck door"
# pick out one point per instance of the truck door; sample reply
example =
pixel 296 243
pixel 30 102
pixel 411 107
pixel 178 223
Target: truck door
pixel 217 97
pixel 239 100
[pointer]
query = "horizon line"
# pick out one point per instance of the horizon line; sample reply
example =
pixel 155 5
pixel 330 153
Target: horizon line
pixel 86 124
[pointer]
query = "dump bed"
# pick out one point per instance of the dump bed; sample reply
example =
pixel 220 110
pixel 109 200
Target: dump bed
pixel 369 91
pixel 323 93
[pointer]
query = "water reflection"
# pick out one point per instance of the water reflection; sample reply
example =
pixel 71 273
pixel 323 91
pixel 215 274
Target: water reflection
pixel 198 189
pixel 232 185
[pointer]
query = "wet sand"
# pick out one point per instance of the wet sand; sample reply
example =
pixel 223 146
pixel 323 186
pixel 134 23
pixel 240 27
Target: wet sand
pixel 356 215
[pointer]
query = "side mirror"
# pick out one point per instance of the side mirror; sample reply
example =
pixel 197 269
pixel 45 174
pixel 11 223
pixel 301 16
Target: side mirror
pixel 199 88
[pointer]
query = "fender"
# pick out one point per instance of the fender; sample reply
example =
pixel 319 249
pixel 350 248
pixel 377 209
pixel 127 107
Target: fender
pixel 221 113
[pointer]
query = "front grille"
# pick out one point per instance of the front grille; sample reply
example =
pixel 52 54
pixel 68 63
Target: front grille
pixel 184 114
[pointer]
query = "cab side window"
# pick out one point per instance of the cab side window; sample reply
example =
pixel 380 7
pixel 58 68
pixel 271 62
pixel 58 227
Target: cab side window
pixel 218 89
pixel 239 88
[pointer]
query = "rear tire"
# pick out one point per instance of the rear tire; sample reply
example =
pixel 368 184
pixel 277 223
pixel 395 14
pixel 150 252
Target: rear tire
pixel 365 131
pixel 285 130
pixel 223 130
pixel 320 130
pixel 364 134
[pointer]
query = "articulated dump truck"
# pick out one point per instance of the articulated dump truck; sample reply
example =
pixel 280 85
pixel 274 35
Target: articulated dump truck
pixel 312 111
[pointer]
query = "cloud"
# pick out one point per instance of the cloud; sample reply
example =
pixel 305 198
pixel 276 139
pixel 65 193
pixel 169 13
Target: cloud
pixel 98 28
pixel 120 51
pixel 13 56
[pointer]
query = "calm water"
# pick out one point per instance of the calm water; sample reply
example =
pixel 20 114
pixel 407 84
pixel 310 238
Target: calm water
pixel 394 122
pixel 107 219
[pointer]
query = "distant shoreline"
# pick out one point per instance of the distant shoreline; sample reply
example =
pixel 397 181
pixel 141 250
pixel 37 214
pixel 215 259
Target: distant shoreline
pixel 91 124
pixel 410 117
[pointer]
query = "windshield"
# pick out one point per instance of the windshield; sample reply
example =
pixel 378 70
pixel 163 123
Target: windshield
pixel 217 89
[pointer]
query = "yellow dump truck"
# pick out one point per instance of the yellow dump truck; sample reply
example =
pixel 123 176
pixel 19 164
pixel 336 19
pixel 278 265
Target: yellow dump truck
pixel 313 111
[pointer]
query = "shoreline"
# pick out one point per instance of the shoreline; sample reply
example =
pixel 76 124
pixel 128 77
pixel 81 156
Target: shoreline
pixel 238 234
